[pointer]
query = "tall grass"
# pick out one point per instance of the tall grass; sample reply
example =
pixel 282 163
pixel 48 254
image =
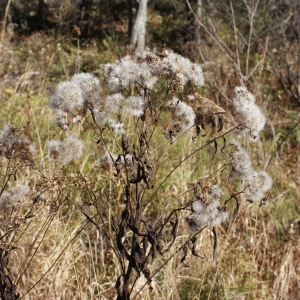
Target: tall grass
pixel 61 245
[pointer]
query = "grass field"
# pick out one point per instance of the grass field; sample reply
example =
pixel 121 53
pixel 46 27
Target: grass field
pixel 56 252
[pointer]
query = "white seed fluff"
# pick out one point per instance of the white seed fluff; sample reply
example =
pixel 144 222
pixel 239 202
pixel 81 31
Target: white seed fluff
pixel 207 214
pixel 68 96
pixel 90 88
pixel 113 103
pixel 247 114
pixel 64 152
pixel 183 117
pixel 258 183
pixel 134 105
pixel 13 196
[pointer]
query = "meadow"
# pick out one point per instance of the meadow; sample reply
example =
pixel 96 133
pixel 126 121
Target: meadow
pixel 81 221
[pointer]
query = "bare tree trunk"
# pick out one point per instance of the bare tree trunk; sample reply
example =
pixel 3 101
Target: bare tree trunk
pixel 130 19
pixel 139 28
pixel 41 18
pixel 197 25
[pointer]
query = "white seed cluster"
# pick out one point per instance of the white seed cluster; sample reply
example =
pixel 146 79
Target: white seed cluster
pixel 83 90
pixel 10 141
pixel 258 182
pixel 144 68
pixel 90 88
pixel 141 71
pixel 114 103
pixel 129 71
pixel 64 152
pixel 13 196
pixel 183 117
pixel 207 213
pixel 247 114
pixel 182 69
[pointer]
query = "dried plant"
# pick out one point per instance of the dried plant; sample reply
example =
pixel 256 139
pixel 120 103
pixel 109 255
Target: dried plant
pixel 142 110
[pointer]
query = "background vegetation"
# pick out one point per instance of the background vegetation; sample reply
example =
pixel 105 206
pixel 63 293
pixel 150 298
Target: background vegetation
pixel 46 42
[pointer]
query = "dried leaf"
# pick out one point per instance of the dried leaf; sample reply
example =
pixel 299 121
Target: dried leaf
pixel 135 230
pixel 198 130
pixel 148 175
pixel 215 243
pixel 214 108
pixel 139 255
pixel 174 231
pixel 193 248
pixel 185 251
pixel 237 203
pixel 216 146
pixel 221 124
pixel 145 243
pixel 224 146
pixel 118 287
pixel 125 143
pixel 147 274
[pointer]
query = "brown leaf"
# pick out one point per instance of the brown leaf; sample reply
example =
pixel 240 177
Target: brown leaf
pixel 224 146
pixel 125 143
pixel 221 124
pixel 193 248
pixel 185 251
pixel 215 243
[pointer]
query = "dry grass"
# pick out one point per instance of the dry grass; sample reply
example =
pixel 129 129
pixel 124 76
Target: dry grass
pixel 58 255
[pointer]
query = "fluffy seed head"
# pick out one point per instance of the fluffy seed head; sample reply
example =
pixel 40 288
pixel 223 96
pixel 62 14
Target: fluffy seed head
pixel 207 213
pixel 183 117
pixel 13 196
pixel 242 165
pixel 14 145
pixel 67 97
pixel 64 152
pixel 113 103
pixel 259 183
pixel 134 106
pixel 90 88
pixel 247 114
